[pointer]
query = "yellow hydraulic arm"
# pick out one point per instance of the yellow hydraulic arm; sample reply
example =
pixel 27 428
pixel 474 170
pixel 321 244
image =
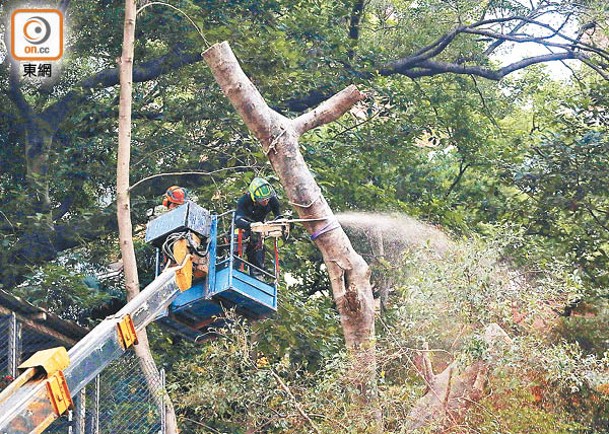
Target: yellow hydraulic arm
pixel 43 391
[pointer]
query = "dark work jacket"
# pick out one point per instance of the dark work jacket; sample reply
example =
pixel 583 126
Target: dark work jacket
pixel 249 211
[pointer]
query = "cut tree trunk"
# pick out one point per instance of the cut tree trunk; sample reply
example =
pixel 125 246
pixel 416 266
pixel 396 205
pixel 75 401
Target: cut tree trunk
pixel 142 350
pixel 452 392
pixel 349 273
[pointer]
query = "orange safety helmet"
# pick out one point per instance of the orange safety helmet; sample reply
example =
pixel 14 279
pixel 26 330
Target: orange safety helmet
pixel 174 194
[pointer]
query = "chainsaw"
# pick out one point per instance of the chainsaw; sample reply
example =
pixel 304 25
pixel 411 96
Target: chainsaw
pixel 273 229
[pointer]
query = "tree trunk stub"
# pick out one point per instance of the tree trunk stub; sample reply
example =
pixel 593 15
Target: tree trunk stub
pixel 279 138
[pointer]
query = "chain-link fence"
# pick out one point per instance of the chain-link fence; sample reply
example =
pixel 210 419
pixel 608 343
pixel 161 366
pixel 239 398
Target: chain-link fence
pixel 5 335
pixel 125 398
pixel 128 402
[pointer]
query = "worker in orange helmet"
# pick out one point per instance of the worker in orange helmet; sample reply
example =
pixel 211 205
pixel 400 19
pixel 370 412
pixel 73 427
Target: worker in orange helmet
pixel 174 197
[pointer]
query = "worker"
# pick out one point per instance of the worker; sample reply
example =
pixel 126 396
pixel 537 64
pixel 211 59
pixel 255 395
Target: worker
pixel 254 206
pixel 174 197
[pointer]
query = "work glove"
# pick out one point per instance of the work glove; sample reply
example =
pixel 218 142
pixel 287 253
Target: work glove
pixel 248 222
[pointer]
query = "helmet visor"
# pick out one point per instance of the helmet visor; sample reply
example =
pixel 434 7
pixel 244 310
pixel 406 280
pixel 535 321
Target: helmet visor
pixel 263 192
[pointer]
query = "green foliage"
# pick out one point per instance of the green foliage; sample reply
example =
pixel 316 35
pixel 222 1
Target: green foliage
pixel 233 385
pixel 67 294
pixel 567 179
pixel 586 326
pixel 522 162
pixel 514 410
pixel 235 382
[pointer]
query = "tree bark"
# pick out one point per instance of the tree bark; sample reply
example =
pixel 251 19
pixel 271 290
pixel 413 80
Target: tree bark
pixel 354 26
pixel 349 273
pixel 125 228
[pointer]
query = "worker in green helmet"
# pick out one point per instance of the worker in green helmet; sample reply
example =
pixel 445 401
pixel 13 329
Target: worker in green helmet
pixel 254 206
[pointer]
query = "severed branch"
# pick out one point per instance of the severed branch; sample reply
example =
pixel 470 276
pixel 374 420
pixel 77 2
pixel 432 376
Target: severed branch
pixel 287 390
pixel 255 112
pixel 241 92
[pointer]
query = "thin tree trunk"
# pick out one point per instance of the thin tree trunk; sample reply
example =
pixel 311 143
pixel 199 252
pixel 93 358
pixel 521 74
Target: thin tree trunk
pixel 349 273
pixel 125 229
pixel 38 140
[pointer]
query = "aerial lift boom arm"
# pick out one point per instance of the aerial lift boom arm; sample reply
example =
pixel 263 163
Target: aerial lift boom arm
pixel 32 407
pixel 43 391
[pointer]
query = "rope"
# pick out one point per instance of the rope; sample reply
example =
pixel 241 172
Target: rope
pixel 317 219
pixel 306 206
pixel 327 228
pixel 180 11
pixel 273 143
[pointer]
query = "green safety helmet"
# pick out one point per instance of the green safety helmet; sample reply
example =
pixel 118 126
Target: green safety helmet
pixel 260 190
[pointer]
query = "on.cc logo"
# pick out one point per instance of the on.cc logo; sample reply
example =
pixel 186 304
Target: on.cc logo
pixel 37 34
pixel 37 30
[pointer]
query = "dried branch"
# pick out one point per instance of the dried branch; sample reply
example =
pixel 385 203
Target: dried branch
pixel 287 390
pixel 428 374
